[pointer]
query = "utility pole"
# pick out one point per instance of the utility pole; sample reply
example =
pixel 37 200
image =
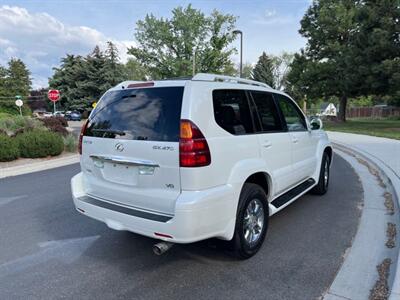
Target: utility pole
pixel 241 51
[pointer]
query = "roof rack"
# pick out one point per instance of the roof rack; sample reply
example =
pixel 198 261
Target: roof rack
pixel 230 79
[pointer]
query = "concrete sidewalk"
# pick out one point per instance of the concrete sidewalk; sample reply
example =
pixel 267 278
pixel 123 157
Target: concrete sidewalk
pixel 387 151
pixel 36 165
pixel 385 154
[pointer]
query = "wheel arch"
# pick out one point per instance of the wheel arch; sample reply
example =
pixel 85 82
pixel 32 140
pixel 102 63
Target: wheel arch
pixel 263 179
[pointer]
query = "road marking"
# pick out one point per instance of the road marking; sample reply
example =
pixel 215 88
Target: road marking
pixel 6 200
pixel 66 251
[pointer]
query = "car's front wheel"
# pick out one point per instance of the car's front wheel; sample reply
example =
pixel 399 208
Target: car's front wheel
pixel 323 182
pixel 251 221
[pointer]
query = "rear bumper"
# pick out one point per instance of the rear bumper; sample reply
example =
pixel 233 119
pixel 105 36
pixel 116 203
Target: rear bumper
pixel 198 214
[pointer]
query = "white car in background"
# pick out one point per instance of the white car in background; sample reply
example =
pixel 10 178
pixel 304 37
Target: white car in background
pixel 208 157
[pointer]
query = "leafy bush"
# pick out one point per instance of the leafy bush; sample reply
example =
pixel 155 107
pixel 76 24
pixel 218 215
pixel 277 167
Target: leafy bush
pixel 56 124
pixel 39 143
pixel 18 131
pixel 8 148
pixel 70 143
pixel 59 129
pixel 4 115
pixel 63 121
pixel 13 123
pixel 53 121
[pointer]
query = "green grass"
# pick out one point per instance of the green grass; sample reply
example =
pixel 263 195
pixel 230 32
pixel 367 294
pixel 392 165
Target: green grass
pixel 382 128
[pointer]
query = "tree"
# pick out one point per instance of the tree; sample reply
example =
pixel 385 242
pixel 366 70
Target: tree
pixel 352 50
pixel 167 46
pixel 68 79
pixel 247 71
pixel 3 79
pixel 82 80
pixel 377 45
pixel 14 80
pixel 281 68
pixel 329 27
pixel 18 78
pixel 264 70
pixel 112 69
pixel 133 70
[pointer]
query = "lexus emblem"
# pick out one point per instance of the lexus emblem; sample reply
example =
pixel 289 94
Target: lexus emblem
pixel 119 147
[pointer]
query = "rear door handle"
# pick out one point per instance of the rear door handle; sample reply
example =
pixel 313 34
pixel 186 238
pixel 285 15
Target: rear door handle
pixel 267 144
pixel 295 140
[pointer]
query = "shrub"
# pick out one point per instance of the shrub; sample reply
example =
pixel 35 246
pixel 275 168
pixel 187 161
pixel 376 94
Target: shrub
pixel 56 124
pixel 13 123
pixel 18 131
pixel 53 121
pixel 8 148
pixel 63 121
pixel 59 129
pixel 70 143
pixel 39 143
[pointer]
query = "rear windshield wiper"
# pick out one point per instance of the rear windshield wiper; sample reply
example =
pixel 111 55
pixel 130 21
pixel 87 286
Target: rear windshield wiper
pixel 119 132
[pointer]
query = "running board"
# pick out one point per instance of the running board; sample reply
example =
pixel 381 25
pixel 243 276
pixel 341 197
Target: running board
pixel 290 194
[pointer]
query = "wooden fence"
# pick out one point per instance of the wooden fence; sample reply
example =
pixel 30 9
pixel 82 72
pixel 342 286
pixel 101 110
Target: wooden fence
pixel 373 112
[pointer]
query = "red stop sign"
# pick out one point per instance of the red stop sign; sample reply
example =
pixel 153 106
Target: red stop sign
pixel 53 95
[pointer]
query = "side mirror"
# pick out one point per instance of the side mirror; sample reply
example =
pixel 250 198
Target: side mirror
pixel 316 123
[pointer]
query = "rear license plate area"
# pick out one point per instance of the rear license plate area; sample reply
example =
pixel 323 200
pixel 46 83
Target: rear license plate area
pixel 120 173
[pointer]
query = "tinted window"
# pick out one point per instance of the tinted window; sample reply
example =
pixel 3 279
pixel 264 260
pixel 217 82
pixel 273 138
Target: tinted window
pixel 231 111
pixel 151 114
pixel 267 111
pixel 294 118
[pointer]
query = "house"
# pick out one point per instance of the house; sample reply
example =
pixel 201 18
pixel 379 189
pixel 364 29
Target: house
pixel 327 109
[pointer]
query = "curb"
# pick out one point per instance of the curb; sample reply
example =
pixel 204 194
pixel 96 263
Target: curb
pixel 393 183
pixel 39 166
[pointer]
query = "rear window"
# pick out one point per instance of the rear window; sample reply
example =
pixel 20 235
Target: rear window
pixel 151 114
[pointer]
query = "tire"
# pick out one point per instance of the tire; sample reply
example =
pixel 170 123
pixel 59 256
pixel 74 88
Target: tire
pixel 323 182
pixel 251 221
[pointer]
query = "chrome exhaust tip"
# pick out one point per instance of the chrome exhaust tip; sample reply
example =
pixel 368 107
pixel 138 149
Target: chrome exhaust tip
pixel 162 247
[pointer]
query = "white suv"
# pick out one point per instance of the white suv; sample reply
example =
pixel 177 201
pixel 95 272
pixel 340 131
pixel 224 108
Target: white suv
pixel 187 160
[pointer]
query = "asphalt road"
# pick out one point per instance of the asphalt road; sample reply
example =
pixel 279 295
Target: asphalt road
pixel 49 251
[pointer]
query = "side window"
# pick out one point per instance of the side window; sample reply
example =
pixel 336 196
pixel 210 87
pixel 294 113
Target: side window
pixel 267 111
pixel 232 112
pixel 294 118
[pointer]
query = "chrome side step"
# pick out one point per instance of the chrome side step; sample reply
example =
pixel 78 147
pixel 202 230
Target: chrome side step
pixel 290 194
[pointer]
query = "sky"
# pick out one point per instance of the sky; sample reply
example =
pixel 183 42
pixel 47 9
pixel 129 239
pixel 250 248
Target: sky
pixel 42 32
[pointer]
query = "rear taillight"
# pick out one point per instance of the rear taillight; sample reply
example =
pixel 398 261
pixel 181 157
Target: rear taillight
pixel 193 147
pixel 81 136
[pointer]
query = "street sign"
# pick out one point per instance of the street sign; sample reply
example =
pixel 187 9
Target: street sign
pixel 19 102
pixel 53 95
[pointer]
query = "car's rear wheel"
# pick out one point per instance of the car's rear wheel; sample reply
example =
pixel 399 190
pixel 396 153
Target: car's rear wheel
pixel 323 182
pixel 251 221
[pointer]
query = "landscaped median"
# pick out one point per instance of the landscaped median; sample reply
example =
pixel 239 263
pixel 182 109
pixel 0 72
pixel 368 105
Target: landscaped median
pixel 26 137
pixel 28 144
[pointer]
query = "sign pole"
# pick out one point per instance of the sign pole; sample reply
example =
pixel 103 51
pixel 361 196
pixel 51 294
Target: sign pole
pixel 54 104
pixel 19 103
